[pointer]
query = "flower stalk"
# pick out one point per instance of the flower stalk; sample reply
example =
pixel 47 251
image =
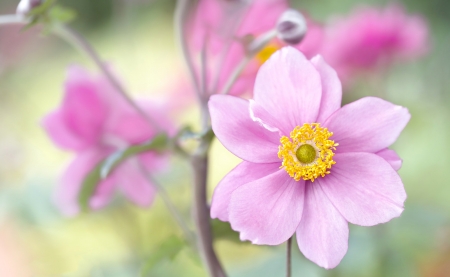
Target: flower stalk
pixel 74 38
pixel 170 206
pixel 199 160
pixel 257 45
pixel 289 257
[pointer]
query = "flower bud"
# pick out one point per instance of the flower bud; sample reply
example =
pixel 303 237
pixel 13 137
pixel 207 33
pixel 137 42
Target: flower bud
pixel 291 27
pixel 25 6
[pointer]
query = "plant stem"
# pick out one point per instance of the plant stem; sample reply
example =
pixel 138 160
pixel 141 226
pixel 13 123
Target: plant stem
pixel 199 159
pixel 288 257
pixel 74 38
pixel 170 206
pixel 257 45
pixel 201 217
pixel 180 21
pixel 235 74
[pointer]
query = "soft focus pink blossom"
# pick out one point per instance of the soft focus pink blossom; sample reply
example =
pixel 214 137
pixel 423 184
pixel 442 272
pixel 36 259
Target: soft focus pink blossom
pixel 222 28
pixel 94 121
pixel 370 37
pixel 268 206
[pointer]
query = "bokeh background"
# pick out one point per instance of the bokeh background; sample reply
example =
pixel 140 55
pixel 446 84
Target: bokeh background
pixel 136 37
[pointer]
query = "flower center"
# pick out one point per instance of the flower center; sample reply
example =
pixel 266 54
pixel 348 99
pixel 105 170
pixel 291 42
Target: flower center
pixel 267 51
pixel 308 153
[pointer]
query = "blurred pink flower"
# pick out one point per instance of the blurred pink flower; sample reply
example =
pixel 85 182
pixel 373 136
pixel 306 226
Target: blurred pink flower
pixel 224 27
pixel 94 121
pixel 310 166
pixel 370 38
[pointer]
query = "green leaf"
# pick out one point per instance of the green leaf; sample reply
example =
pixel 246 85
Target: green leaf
pixel 62 15
pixel 106 166
pixel 157 143
pixel 33 22
pixel 168 250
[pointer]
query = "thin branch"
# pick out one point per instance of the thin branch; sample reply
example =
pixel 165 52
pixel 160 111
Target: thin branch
pixel 74 38
pixel 180 21
pixel 201 216
pixel 288 257
pixel 257 45
pixel 204 69
pixel 237 20
pixel 169 204
pixel 235 74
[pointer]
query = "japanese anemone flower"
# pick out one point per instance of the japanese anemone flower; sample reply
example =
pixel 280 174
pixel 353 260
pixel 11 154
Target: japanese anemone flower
pixel 309 165
pixel 93 122
pixel 371 38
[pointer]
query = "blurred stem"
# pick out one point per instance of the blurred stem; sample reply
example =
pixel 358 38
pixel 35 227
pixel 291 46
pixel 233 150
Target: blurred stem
pixel 170 206
pixel 79 42
pixel 201 217
pixel 180 22
pixel 252 49
pixel 238 18
pixel 199 159
pixel 11 19
pixel 288 257
pixel 235 74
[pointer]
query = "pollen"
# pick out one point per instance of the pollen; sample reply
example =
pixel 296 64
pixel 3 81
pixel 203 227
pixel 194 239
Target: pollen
pixel 308 153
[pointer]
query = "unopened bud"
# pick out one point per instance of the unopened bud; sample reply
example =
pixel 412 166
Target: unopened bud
pixel 25 6
pixel 291 27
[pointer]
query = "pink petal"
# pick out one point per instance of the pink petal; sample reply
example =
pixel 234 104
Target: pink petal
pixel 367 125
pixel 267 210
pixel 82 109
pixel 61 135
pixel 131 127
pixel 242 174
pixel 69 187
pixel 128 125
pixel 266 119
pixel 289 88
pixel 322 235
pixel 331 88
pixel 364 188
pixel 270 10
pixel 134 184
pixel 234 128
pixel 391 157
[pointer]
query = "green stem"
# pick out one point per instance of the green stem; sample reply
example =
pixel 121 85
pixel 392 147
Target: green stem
pixel 170 206
pixel 289 257
pixel 257 45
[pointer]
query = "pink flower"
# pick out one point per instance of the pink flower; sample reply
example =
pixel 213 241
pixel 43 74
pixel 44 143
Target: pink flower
pixel 214 21
pixel 310 166
pixel 369 38
pixel 94 121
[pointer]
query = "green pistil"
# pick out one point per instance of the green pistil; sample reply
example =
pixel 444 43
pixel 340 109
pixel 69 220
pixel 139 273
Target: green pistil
pixel 306 154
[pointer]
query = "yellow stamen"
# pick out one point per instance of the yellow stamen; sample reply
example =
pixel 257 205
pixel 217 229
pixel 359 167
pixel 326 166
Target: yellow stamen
pixel 308 154
pixel 266 52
